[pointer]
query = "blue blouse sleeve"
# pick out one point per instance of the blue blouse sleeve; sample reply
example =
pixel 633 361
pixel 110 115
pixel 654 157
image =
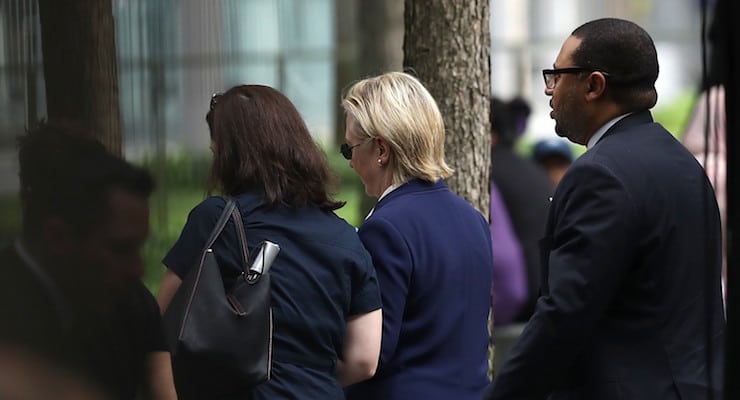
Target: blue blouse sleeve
pixel 185 253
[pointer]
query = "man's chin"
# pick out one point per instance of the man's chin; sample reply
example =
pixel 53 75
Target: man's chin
pixel 560 131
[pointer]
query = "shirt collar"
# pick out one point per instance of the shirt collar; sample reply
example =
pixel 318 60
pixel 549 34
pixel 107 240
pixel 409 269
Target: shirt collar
pixel 604 128
pixel 387 191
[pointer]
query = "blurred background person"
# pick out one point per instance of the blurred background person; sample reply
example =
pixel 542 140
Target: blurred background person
pixel 524 188
pixel 70 286
pixel 325 298
pixel 554 155
pixel 28 376
pixel 704 137
pixel 519 198
pixel 509 290
pixel 431 248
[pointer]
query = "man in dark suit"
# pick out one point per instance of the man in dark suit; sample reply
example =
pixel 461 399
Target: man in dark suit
pixel 630 306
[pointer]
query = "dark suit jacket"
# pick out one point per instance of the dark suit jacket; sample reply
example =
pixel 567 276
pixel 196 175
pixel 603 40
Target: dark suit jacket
pixel 631 305
pixel 432 254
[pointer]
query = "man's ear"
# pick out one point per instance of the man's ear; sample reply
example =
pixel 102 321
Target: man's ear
pixel 596 86
pixel 57 236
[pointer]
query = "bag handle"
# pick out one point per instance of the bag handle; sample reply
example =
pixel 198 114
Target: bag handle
pixel 237 217
pixel 231 211
pixel 221 223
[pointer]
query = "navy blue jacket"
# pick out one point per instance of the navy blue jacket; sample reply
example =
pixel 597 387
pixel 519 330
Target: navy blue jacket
pixel 631 304
pixel 432 255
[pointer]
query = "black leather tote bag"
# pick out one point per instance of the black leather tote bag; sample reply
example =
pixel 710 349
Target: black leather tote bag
pixel 220 340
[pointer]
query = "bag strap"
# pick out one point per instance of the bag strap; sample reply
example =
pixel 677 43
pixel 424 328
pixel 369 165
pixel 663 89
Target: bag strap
pixel 237 217
pixel 231 211
pixel 221 223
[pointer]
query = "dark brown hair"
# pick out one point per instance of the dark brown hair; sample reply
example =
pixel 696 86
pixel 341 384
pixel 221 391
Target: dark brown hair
pixel 261 143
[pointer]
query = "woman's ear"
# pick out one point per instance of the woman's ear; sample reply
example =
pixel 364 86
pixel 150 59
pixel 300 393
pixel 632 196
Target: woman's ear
pixel 384 149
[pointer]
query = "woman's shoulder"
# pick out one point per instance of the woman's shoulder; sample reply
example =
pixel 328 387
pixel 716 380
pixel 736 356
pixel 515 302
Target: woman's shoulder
pixel 331 226
pixel 212 206
pixel 330 229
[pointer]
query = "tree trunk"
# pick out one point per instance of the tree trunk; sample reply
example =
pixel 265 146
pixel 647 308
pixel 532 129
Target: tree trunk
pixel 346 55
pixel 381 36
pixel 369 42
pixel 447 45
pixel 79 51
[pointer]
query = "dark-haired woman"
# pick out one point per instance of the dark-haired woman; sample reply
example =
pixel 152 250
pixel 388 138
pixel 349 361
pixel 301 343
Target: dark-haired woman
pixel 325 297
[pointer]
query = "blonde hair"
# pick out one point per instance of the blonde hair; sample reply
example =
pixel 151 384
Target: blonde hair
pixel 398 108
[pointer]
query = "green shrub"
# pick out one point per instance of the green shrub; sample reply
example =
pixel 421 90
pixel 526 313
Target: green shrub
pixel 170 210
pixel 350 188
pixel 674 115
pixel 181 169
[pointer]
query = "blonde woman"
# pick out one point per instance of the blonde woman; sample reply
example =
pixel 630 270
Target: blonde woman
pixel 430 248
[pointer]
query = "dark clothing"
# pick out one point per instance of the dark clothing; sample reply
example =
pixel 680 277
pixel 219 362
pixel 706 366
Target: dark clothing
pixel 432 253
pixel 631 305
pixel 321 276
pixel 109 349
pixel 526 189
pixel 509 271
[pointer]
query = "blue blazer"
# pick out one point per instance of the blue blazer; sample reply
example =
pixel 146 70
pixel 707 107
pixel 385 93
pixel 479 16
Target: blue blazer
pixel 432 255
pixel 630 304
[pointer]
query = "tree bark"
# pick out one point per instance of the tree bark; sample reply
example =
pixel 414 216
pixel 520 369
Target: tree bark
pixel 79 51
pixel 447 46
